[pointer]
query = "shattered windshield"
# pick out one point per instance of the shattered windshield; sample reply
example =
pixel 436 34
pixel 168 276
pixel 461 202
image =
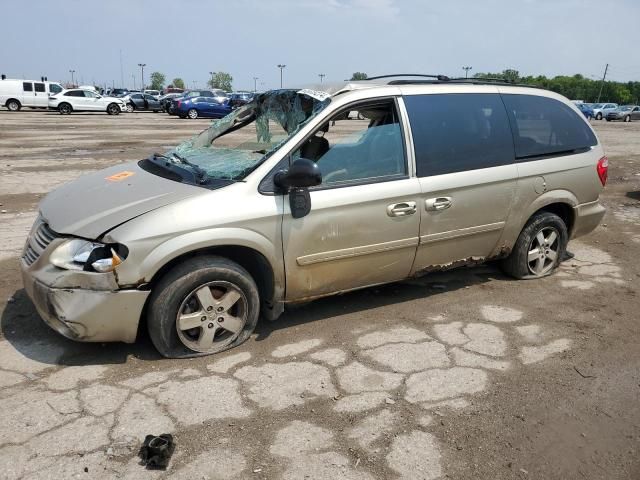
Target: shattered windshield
pixel 235 145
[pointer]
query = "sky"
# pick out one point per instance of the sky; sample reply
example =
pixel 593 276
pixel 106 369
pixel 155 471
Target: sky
pixel 249 38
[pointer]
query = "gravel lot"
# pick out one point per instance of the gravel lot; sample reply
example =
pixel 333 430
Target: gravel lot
pixel 465 374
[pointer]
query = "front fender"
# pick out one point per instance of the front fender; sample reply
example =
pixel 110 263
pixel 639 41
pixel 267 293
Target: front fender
pixel 215 237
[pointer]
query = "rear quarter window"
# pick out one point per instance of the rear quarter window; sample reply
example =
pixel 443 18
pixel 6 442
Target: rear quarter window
pixel 459 132
pixel 544 126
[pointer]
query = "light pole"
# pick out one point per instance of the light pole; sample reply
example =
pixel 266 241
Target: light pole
pixel 466 71
pixel 212 74
pixel 281 67
pixel 255 84
pixel 72 81
pixel 142 65
pixel 322 75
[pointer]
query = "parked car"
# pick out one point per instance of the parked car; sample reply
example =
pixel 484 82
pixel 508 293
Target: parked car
pixel 117 92
pixel 79 100
pixel 153 93
pixel 237 99
pixel 165 100
pixel 274 205
pixel 217 94
pixel 586 109
pixel 194 107
pixel 624 113
pixel 15 94
pixel 141 102
pixel 600 110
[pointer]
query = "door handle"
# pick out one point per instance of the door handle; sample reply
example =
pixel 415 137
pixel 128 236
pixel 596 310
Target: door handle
pixel 438 203
pixel 401 209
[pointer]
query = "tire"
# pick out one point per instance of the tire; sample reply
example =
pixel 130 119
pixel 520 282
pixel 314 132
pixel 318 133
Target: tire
pixel 608 119
pixel 130 108
pixel 523 263
pixel 65 108
pixel 181 289
pixel 155 111
pixel 192 113
pixel 627 119
pixel 13 105
pixel 599 116
pixel 113 109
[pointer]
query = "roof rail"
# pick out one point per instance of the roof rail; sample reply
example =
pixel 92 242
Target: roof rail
pixel 435 77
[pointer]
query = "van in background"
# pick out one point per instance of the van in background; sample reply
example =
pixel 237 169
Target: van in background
pixel 15 94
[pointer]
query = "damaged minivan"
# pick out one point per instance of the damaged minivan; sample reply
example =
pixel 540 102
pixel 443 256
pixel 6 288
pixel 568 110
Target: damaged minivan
pixel 287 199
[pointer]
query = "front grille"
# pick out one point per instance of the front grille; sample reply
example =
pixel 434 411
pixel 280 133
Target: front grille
pixel 39 239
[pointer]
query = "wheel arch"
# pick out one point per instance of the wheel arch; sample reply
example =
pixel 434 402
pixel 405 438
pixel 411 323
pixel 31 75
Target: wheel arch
pixel 14 100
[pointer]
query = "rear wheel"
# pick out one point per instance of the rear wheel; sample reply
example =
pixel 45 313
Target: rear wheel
pixel 192 113
pixel 13 105
pixel 203 306
pixel 539 248
pixel 599 116
pixel 627 118
pixel 64 109
pixel 113 109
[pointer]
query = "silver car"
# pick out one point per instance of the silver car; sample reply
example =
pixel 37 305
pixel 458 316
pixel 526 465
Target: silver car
pixel 287 200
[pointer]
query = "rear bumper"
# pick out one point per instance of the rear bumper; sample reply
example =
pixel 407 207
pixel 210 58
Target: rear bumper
pixel 587 217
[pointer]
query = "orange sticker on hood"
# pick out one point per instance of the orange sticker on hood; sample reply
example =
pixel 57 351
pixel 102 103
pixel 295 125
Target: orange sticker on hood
pixel 120 176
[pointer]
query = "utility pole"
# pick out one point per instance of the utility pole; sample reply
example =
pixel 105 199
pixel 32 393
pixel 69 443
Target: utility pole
pixel 322 75
pixel 255 84
pixel 121 71
pixel 72 81
pixel 142 65
pixel 212 74
pixel 466 71
pixel 602 83
pixel 281 67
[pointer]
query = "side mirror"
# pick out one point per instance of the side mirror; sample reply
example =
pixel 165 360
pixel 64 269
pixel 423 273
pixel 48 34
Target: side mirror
pixel 303 173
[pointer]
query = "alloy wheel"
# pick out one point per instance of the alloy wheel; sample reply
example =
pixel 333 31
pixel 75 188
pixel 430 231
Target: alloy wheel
pixel 543 251
pixel 193 113
pixel 212 316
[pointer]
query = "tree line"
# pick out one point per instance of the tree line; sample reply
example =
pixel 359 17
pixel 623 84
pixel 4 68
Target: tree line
pixel 221 80
pixel 575 87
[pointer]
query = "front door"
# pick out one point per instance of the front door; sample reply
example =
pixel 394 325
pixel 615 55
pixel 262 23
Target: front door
pixel 466 168
pixel 41 97
pixel 364 220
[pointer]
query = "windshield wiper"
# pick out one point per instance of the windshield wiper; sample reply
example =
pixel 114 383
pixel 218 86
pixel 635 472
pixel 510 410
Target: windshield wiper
pixel 201 175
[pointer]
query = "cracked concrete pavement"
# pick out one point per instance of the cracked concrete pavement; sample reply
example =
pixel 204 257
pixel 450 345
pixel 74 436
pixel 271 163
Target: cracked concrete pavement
pixel 486 378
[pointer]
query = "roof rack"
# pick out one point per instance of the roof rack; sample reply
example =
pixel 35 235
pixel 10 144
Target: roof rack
pixel 440 79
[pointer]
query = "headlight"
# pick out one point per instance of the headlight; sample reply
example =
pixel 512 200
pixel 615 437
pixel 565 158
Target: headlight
pixel 80 254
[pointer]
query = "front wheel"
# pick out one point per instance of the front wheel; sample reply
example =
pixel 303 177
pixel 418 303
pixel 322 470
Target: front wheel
pixel 627 119
pixel 539 248
pixel 599 116
pixel 113 109
pixel 130 108
pixel 203 306
pixel 192 114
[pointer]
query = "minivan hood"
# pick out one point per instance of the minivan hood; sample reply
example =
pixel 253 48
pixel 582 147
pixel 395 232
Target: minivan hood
pixel 98 202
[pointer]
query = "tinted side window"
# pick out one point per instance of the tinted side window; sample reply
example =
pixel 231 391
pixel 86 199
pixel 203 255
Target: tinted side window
pixel 53 88
pixel 458 132
pixel 40 87
pixel 545 126
pixel 74 93
pixel 27 86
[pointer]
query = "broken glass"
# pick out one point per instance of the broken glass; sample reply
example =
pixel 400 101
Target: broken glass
pixel 235 145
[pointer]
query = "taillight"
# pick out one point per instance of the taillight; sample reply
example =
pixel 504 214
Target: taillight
pixel 179 103
pixel 603 170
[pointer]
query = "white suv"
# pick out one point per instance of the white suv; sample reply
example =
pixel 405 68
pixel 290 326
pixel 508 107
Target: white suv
pixel 81 100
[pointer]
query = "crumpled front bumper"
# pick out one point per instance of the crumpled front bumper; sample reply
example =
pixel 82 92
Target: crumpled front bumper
pixel 87 315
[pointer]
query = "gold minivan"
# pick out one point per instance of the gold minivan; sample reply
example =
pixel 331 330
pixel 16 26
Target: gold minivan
pixel 294 197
